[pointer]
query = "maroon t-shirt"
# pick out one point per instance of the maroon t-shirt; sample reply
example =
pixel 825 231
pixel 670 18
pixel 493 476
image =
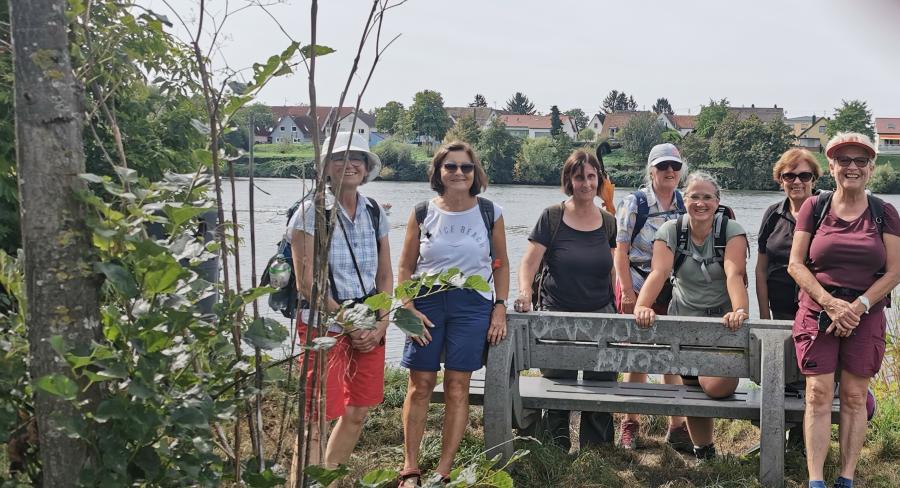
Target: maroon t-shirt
pixel 847 254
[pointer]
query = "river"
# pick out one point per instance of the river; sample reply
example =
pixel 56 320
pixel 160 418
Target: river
pixel 522 205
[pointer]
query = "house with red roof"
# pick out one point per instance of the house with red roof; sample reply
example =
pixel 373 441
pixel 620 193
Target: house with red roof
pixel 887 134
pixel 529 126
pixel 684 124
pixel 616 121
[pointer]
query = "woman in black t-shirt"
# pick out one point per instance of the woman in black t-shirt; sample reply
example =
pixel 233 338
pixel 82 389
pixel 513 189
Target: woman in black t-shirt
pixel 575 241
pixel 796 171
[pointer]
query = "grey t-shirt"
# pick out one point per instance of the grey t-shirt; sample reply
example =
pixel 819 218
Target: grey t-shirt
pixel 692 294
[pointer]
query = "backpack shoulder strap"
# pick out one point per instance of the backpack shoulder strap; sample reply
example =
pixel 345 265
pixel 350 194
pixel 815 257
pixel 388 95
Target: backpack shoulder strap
pixel 609 224
pixel 720 239
pixel 375 219
pixel 876 208
pixel 487 215
pixel 555 214
pixel 421 211
pixel 681 248
pixel 768 227
pixel 679 202
pixel 820 208
pixel 643 211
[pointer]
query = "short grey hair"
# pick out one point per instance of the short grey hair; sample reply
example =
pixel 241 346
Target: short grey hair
pixel 648 174
pixel 701 177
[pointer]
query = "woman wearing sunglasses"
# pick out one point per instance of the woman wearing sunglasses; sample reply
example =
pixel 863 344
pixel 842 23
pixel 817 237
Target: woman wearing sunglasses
pixel 638 217
pixel 574 241
pixel 708 282
pixel 796 171
pixel 846 264
pixel 452 232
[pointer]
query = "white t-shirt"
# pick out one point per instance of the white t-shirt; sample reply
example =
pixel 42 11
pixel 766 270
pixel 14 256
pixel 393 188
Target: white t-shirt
pixel 456 240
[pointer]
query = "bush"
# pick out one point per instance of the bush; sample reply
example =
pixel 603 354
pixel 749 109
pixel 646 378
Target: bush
pixel 586 134
pixel 695 150
pixel 640 134
pixel 885 180
pixel 398 157
pixel 541 160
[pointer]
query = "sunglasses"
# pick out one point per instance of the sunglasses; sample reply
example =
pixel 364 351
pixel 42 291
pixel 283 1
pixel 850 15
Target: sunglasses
pixel 465 167
pixel 665 165
pixel 845 161
pixel 805 177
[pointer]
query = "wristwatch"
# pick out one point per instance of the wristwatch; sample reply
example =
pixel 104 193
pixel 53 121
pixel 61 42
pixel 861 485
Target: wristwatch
pixel 499 301
pixel 865 301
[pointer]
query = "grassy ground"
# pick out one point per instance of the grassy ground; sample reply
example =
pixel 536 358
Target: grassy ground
pixel 298 151
pixel 653 465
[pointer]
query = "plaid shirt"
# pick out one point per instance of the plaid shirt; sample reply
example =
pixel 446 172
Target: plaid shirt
pixel 361 237
pixel 641 251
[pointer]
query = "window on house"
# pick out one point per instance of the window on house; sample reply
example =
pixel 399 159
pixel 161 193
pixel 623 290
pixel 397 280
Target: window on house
pixel 612 131
pixel 282 128
pixel 596 125
pixel 892 126
pixel 822 129
pixel 362 131
pixel 293 129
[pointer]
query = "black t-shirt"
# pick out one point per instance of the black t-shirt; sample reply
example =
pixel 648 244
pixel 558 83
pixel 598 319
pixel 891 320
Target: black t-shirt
pixel 777 244
pixel 579 263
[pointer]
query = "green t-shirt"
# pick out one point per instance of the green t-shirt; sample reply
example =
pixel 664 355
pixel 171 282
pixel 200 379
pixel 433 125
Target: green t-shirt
pixel 692 294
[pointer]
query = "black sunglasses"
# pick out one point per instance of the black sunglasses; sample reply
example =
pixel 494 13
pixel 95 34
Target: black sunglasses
pixel 465 167
pixel 805 176
pixel 665 165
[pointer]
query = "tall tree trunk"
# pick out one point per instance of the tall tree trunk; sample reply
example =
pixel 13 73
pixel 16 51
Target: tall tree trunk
pixel 60 285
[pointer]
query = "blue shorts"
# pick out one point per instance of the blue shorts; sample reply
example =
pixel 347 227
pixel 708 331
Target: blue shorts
pixel 461 319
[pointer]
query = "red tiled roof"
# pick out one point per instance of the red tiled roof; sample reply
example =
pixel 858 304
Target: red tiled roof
pixel 684 121
pixel 882 123
pixel 531 121
pixel 618 120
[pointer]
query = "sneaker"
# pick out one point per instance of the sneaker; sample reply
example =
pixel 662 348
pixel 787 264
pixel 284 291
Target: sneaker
pixel 842 482
pixel 628 434
pixel 680 440
pixel 705 452
pixel 870 405
pixel 817 484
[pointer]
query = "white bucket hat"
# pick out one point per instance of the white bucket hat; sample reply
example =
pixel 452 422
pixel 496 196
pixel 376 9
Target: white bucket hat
pixel 356 143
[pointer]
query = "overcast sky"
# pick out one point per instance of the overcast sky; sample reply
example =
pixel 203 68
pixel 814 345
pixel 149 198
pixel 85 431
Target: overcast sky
pixel 803 55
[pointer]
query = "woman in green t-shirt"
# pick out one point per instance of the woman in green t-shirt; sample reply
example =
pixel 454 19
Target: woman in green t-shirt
pixel 709 282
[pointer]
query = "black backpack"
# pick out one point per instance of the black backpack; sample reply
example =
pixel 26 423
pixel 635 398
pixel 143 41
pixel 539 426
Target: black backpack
pixel 555 217
pixel 487 215
pixel 720 225
pixel 285 299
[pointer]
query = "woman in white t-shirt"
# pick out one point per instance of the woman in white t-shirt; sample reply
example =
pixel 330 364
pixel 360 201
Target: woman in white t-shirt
pixel 459 230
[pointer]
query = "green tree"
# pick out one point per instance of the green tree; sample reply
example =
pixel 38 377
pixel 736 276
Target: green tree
pixel 555 121
pixel 640 134
pixel 9 193
pixel 262 117
pixel 852 116
pixel 428 115
pixel 542 159
pixel 885 179
pixel 520 104
pixel 397 156
pixel 662 106
pixel 498 150
pixel 578 115
pixel 710 117
pixel 587 134
pixel 750 147
pixel 617 101
pixel 695 150
pixel 466 130
pixel 388 117
pixel 479 101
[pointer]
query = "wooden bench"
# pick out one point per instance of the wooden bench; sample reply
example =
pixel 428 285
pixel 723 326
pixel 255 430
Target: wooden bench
pixel 761 351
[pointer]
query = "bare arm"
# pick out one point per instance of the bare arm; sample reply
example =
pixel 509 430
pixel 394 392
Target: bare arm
pixel 735 266
pixel 528 267
pixel 660 270
pixel 622 264
pixel 762 287
pixel 497 330
pixel 842 314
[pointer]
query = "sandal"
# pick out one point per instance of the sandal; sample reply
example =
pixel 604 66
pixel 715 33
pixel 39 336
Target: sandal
pixel 409 478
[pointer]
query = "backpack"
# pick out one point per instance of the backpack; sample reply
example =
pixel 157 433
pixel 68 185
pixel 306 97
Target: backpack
pixel 643 211
pixel 820 211
pixel 555 214
pixel 285 300
pixel 486 207
pixel 720 225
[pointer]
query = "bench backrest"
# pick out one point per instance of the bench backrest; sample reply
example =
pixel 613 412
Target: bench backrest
pixel 611 342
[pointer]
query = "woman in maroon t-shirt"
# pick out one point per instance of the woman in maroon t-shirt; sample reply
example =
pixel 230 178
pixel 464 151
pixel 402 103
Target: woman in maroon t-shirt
pixel 843 294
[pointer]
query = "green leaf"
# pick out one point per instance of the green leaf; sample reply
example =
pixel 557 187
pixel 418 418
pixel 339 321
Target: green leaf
pixel 266 479
pixel 127 174
pixel 148 460
pixel 408 322
pixel 252 294
pixel 202 156
pixel 307 51
pixel 189 417
pixel 265 333
pixel 58 344
pixel 92 178
pixel 113 408
pixel 500 479
pixel 119 277
pixel 181 214
pixel 58 385
pixel 325 476
pixel 477 283
pixel 163 274
pixel 377 478
pixel 381 301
